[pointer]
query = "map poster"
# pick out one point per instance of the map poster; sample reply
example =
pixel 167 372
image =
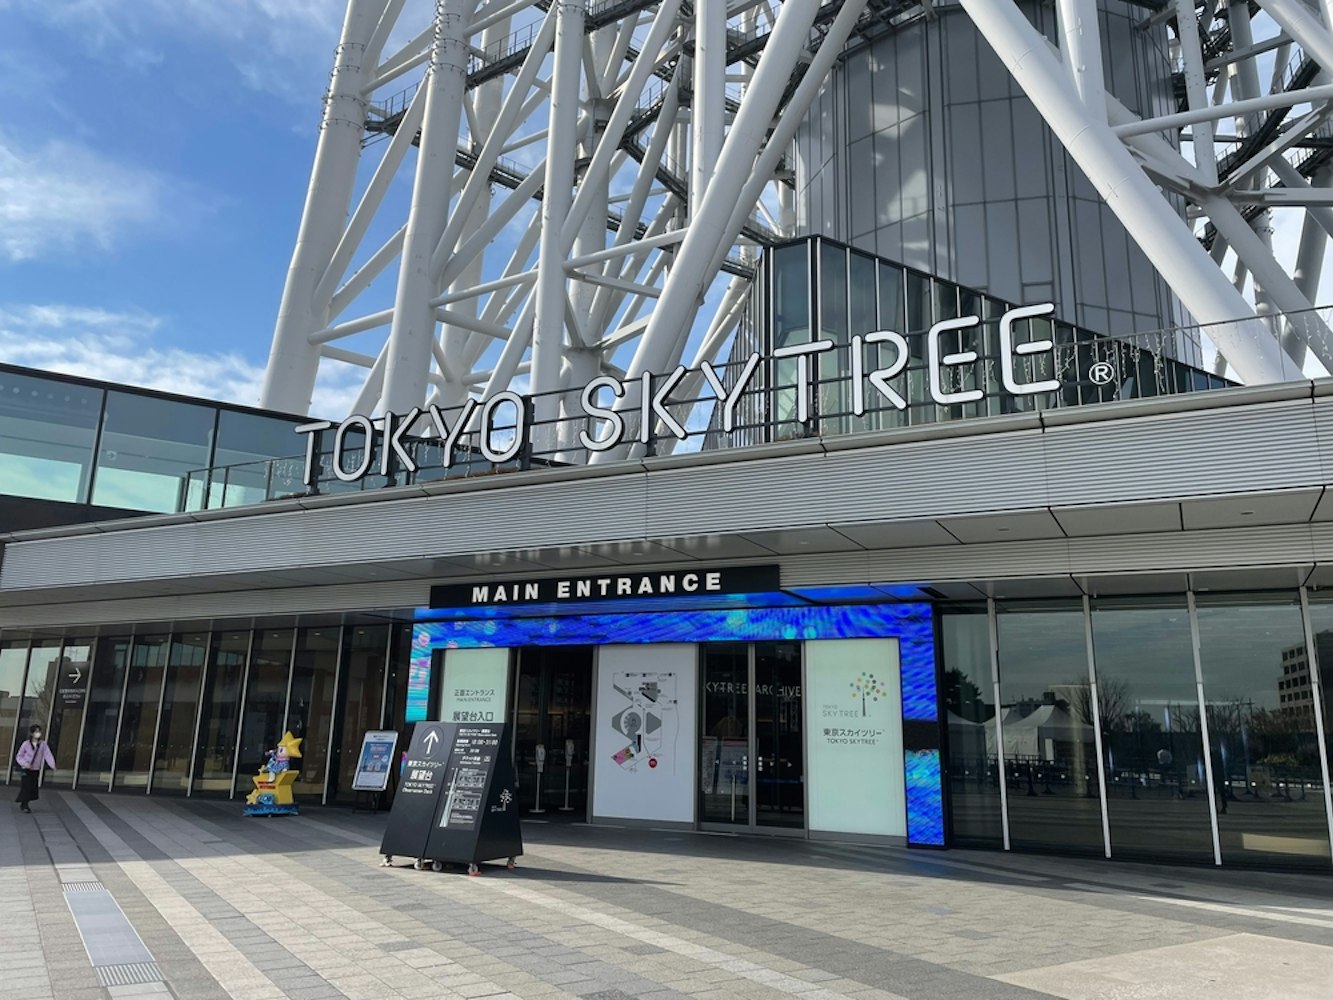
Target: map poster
pixel 375 763
pixel 645 742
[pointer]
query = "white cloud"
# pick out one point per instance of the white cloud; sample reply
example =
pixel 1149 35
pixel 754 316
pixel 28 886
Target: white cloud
pixel 120 347
pixel 61 197
pixel 277 46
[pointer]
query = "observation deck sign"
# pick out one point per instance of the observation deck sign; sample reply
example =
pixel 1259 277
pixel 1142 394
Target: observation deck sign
pixel 490 414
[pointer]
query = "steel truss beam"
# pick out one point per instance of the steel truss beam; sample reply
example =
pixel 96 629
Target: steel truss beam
pixel 575 187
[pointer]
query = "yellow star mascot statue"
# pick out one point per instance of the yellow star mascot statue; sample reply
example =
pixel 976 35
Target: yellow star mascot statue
pixel 272 795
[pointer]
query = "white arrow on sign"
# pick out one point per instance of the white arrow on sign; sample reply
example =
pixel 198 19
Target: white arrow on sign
pixel 76 675
pixel 432 738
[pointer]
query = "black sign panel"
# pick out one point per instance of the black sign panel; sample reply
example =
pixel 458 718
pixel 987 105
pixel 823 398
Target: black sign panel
pixel 73 689
pixel 418 797
pixel 608 587
pixel 478 817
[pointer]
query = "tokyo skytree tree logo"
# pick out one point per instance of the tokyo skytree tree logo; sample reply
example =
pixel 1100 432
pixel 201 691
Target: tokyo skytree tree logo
pixel 867 685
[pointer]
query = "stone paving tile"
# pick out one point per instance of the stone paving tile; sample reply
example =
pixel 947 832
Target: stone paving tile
pixel 230 911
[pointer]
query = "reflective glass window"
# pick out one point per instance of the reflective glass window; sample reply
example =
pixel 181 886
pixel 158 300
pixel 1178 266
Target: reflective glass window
pixel 39 688
pixel 103 712
pixel 241 466
pixel 724 739
pixel 1050 748
pixel 362 691
pixel 310 708
pixel 969 696
pixel 1321 625
pixel 138 723
pixel 180 705
pixel 1261 721
pixel 1156 782
pixel 149 446
pixel 220 712
pixel 13 664
pixel 48 431
pixel 69 699
pixel 395 703
pixel 791 295
pixel 265 700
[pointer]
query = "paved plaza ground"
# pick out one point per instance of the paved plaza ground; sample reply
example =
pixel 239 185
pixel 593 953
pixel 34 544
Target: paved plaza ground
pixel 121 896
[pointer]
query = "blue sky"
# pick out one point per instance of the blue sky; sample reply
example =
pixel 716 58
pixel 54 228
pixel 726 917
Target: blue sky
pixel 154 157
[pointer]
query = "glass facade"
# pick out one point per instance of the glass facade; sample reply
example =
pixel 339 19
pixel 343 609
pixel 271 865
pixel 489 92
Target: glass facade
pixel 1093 726
pixel 1156 781
pixel 1118 735
pixel 1046 728
pixel 78 441
pixel 815 289
pixel 193 712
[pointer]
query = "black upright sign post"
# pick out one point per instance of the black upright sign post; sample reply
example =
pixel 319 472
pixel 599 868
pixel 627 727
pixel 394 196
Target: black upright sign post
pixel 418 798
pixel 458 800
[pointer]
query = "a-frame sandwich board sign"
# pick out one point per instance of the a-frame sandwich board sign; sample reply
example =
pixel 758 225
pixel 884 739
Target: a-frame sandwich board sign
pixel 419 792
pixel 477 819
pixel 457 802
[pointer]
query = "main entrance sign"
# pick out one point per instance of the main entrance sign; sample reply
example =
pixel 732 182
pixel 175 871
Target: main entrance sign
pixel 608 586
pixel 507 415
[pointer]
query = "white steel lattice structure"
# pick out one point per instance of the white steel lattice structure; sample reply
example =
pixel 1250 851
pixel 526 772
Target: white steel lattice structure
pixel 571 189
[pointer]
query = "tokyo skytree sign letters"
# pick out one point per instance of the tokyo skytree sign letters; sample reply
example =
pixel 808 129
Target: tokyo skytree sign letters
pixel 508 415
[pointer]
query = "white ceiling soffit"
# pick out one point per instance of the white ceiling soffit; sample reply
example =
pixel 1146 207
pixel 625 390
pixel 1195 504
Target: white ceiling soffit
pixel 1014 526
pixel 896 534
pixel 796 541
pixel 710 548
pixel 1043 587
pixel 1245 509
pixel 1259 578
pixel 1134 583
pixel 1118 519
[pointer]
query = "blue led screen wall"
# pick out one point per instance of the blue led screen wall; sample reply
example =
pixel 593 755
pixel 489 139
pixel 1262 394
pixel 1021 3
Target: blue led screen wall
pixel 911 623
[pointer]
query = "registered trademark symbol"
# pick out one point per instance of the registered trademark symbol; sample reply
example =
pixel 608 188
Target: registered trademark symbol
pixel 1102 373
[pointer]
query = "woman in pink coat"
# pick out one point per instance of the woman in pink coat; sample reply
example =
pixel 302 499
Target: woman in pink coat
pixel 34 753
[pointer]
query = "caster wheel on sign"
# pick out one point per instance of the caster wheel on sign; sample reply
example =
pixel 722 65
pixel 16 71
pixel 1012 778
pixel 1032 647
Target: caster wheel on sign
pixel 418 864
pixel 473 870
pixel 510 864
pixel 437 866
pixel 386 861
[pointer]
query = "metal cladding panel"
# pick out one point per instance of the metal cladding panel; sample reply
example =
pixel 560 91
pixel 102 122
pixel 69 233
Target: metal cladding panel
pixel 935 478
pixel 528 516
pixel 230 604
pixel 918 478
pixel 1296 544
pixel 1226 450
pixel 1322 410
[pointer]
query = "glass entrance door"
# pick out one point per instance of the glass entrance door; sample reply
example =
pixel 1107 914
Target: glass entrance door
pixel 553 709
pixel 752 754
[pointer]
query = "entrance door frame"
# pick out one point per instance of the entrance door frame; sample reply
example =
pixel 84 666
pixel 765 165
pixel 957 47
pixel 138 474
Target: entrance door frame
pixel 752 826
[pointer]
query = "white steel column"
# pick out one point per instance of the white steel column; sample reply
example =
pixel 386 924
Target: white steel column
pixel 407 368
pixel 993 633
pixel 687 282
pixel 557 197
pixel 1080 44
pixel 1209 776
pixel 289 379
pixel 1137 203
pixel 708 106
pixel 1097 724
pixel 1316 686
